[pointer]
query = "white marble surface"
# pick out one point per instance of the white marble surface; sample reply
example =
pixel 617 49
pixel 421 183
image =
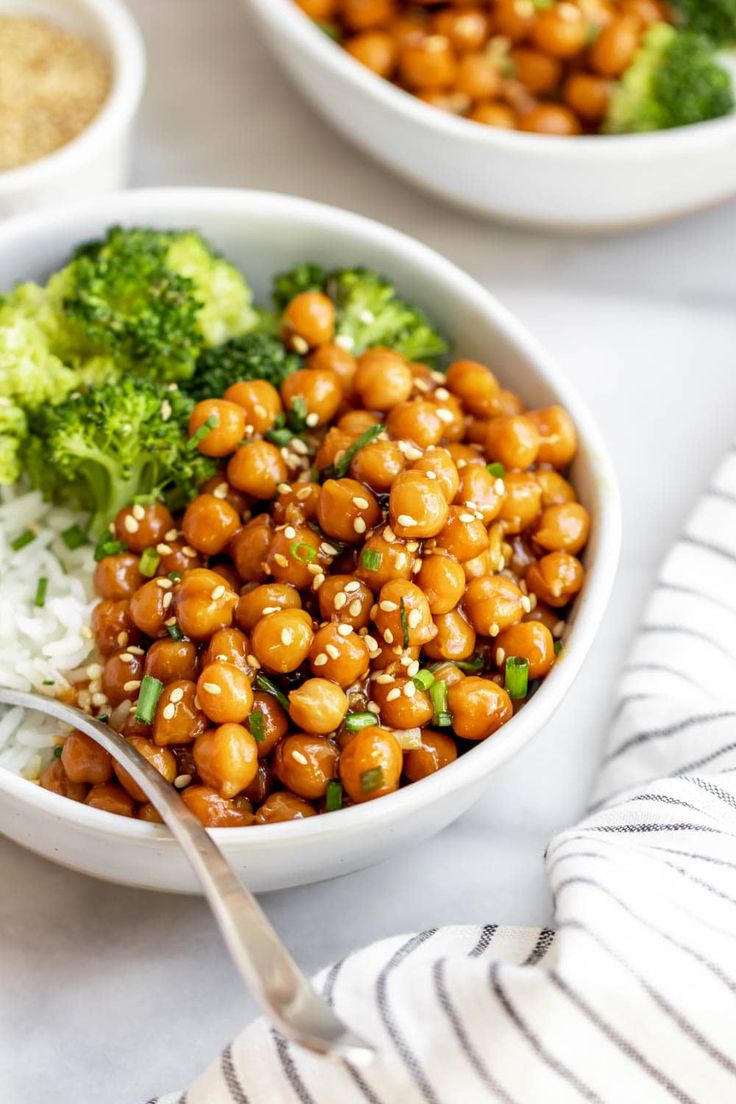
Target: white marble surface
pixel 113 995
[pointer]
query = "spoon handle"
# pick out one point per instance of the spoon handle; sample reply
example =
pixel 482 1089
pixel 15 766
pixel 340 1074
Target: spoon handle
pixel 264 962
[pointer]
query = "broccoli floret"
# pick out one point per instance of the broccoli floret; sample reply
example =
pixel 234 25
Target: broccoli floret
pixel 252 356
pixel 101 448
pixel 674 80
pixel 226 300
pixel 31 373
pixel 714 18
pixel 303 277
pixel 13 430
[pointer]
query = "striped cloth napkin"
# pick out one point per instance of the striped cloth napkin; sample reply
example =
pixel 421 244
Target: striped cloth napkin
pixel 632 998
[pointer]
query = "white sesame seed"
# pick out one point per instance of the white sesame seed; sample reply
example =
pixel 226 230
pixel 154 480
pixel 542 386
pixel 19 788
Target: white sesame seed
pixel 388 535
pixel 332 651
pixel 340 600
pixel 344 630
pixel 212 688
pixel 558 630
pixel 99 699
pixel 287 637
pixel 445 416
pixel 280 559
pixel 138 512
pixel 300 346
pixel 328 549
pixel 345 341
pixel 421 385
pixel 176 694
pixel 494 629
pixel 413 668
pixel 289 532
pixel 94 671
pixel 442 394
pixel 164 584
pixel 284 488
pixel 130 524
pixel 299 757
pixel 526 604
pixel 299 446
pixel 303 493
pixel 383 679
pixel 372 644
pixel 171 535
pixel 129 687
pixel 359 525
pixel 406 520
pixel 319 660
pixel 388 636
pixel 168 599
pixel 163 549
pixel 252 662
pixel 314 569
pixel 190 553
pixel 413 453
pixel 197 702
pixel 414 618
pixel 500 657
pixel 499 486
pixel 165 410
pixel 351 586
pixel 532 602
pixel 170 621
pixel 400 561
pixel 409 690
pixel 269 609
pixel 126 657
pixel 169 712
pixel 416 567
pixel 388 607
pixel 221 490
pixel 431 475
pixel 220 657
pixel 182 780
pixel 393 694
pixel 355 607
pixel 412 546
pixel 135 650
pixel 95 686
pixel 361 503
pixel 318 581
pixel 373 708
pixel 123 639
pixel 217 593
pixel 312 419
pixel 467 518
pixel 373 612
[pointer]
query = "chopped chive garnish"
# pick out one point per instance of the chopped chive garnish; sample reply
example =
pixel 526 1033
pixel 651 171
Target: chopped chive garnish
pixel 175 576
pixel 57 752
pixel 206 427
pixel 298 413
pixel 475 663
pixel 175 632
pixel 558 647
pixel 333 797
pixel 49 682
pixel 303 553
pixel 371 780
pixel 149 562
pixel 279 437
pixel 371 560
pixel 143 500
pixel 339 469
pixel 266 686
pixel 423 679
pixel 497 470
pixel 257 726
pixel 404 622
pixel 25 538
pixel 108 546
pixel 517 677
pixel 40 599
pixel 74 537
pixel 438 694
pixel 151 691
pixel 104 717
pixel 354 722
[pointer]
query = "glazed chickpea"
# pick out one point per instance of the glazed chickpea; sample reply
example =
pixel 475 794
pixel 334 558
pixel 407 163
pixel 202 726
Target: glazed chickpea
pixel 112 626
pixel 418 509
pixel 402 705
pixel 514 18
pixel 249 548
pixel 122 675
pixel 494 114
pixel 481 492
pixel 141 527
pixel 555 489
pixel 543 613
pixel 346 599
pixel 493 603
pixel 385 557
pixel 295 556
pixel 484 564
pixel 347 509
pixel 549 118
pixel 383 379
pixel 377 50
pixel 337 441
pixel 227 422
pixel 428 63
pixel 478 76
pixel 257 468
pixel 455 637
pixel 450 413
pixel 378 464
pixel 298 504
pixel 117 577
pixel 403 616
pixel 215 811
pixel 84 760
pixel 227 572
pixel 111 798
pixel 514 441
pixel 269 596
pixel 442 580
pixel 464 536
pixel 149 813
pixel 226 758
pixel 563 528
pixel 167 660
pixel 318 706
pixel 437 751
pixel 283 806
pixel 613 50
pixel 455 103
pixel 370 765
pixel 648 11
pixel 479 707
pixel 467 29
pixel 275 723
pixel 439 464
pixel 321 10
pixel 225 693
pixel 308 321
pixel 537 71
pixel 281 641
pixel 587 95
pixel 335 359
pixel 509 403
pixel 558 437
pixel 556 578
pixel 305 764
pixel 361 15
pixel 339 654
pixel 226 646
pixel 209 524
pixel 561 30
pixel 260 402
pixel 261 786
pixel 464 454
pixel 475 385
pixel 160 758
pixel 204 604
pixel 54 778
pixel 179 718
pixel 319 389
pixel 218 486
pixel 529 640
pixel 522 503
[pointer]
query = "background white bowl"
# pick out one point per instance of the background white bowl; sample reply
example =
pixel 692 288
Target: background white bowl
pixel 586 183
pixel 265 233
pixel 96 160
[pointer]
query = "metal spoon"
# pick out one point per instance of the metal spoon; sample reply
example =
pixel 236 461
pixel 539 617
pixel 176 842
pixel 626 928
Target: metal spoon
pixel 264 962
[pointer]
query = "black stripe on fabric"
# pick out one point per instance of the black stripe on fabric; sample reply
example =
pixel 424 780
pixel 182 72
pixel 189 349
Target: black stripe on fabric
pixel 683 630
pixel 698 858
pixel 634 829
pixel 289 1068
pixel 669 730
pixel 696 764
pixel 407 1055
pixel 534 1042
pixel 328 991
pixel 486 935
pixel 630 700
pixel 634 668
pixel 230 1077
pixel 618 1040
pixel 666 799
pixel 674 1014
pixel 539 950
pixel 711 788
pixel 708 546
pixel 467 1047
pixel 703 885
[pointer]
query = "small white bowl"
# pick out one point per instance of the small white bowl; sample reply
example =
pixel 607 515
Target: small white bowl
pixel 264 234
pixel 586 183
pixel 97 160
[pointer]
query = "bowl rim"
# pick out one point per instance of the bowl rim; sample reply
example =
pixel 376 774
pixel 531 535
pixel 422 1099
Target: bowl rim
pixel 124 43
pixel 481 760
pixel 288 20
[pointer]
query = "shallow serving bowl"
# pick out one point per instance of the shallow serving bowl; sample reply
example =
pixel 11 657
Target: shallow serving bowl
pixel 587 183
pixel 265 233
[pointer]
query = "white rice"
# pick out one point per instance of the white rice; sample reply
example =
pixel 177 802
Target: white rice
pixel 39 646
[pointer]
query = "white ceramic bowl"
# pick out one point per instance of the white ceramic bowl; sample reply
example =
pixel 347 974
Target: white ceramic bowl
pixel 264 234
pixel 588 183
pixel 96 160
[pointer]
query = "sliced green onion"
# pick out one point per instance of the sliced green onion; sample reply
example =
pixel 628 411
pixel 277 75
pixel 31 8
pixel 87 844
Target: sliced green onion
pixel 558 646
pixel 517 676
pixel 410 739
pixel 303 553
pixel 371 560
pixel 151 690
pixel 25 538
pixel 175 576
pixel 438 695
pixel 175 632
pixel 497 470
pixel 266 686
pixel 49 682
pixel 150 560
pixel 423 679
pixel 475 663
pixel 108 546
pixel 298 413
pixel 104 717
pixel 143 500
pixel 355 721
pixel 404 622
pixel 57 751
pixel 206 428
pixel 40 599
pixel 74 537
pixel 339 469
pixel 371 780
pixel 333 797
pixel 257 726
pixel 279 437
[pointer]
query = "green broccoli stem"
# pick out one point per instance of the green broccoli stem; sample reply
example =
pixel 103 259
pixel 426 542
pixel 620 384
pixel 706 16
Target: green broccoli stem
pixel 110 487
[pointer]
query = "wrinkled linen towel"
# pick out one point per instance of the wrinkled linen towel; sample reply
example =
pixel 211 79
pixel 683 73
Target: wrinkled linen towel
pixel 632 998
